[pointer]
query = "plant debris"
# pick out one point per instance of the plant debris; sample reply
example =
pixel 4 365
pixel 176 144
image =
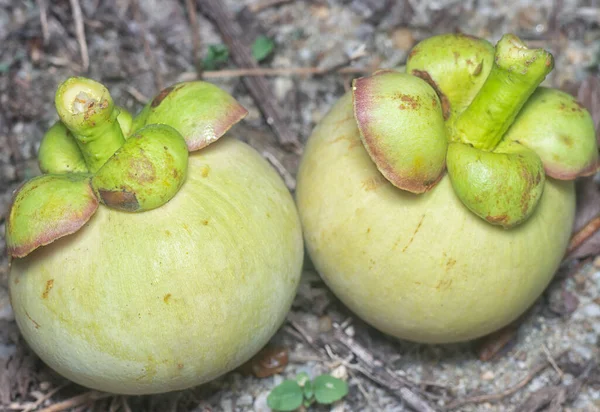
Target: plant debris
pixel 134 47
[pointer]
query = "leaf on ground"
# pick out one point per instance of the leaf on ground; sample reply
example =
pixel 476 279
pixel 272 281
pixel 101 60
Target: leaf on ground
pixel 268 362
pixel 329 389
pixel 262 48
pixel 285 397
pixel 217 55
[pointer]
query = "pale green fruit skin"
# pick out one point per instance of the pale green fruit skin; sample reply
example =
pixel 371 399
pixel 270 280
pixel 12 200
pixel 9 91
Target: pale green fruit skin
pixel 420 267
pixel 139 303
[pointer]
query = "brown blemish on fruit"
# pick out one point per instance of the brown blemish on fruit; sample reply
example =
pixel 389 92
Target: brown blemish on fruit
pixel 352 141
pixel 205 222
pixel 142 169
pixel 180 366
pixel 414 234
pixel 161 96
pixel 413 53
pixel 205 170
pixel 408 101
pixel 500 219
pixel 478 69
pixel 373 183
pixel 443 284
pixel 344 120
pixel 167 298
pixel 422 74
pixel 368 230
pixel 187 228
pixel 37 325
pixel 49 286
pixel 119 199
pixel 567 140
pixel 168 233
pixel 450 264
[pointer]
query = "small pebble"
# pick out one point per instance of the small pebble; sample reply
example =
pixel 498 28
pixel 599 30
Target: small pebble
pixel 488 376
pixel 591 310
pixel 260 403
pixel 226 405
pixel 339 406
pixel 325 324
pixel 245 400
pixel 340 372
pixel 403 39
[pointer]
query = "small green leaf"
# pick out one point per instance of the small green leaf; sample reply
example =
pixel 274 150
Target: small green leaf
pixel 302 378
pixel 262 48
pixel 217 55
pixel 329 389
pixel 285 397
pixel 309 390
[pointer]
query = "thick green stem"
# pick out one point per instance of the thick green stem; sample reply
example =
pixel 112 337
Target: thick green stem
pixel 516 73
pixel 87 109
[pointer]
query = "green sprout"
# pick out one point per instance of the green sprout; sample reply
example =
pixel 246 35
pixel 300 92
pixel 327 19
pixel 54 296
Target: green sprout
pixel 262 48
pixel 291 394
pixel 217 55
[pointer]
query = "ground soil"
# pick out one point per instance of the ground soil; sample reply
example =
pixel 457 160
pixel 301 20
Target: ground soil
pixel 137 47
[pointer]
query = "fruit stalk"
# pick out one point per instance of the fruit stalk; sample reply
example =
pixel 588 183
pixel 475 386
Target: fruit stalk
pixel 516 73
pixel 87 110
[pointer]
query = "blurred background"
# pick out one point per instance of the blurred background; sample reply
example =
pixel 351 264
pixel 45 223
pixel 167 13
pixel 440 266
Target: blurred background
pixel 287 62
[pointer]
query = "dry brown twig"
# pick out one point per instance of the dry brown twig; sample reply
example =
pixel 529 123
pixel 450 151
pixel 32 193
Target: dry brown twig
pixel 288 179
pixel 125 404
pixel 88 397
pixel 258 87
pixel 44 20
pixel 136 94
pixel 137 16
pixel 583 234
pixel 552 361
pixel 275 71
pixel 34 405
pixel 80 32
pixel 494 397
pixel 376 371
pixel 265 4
pixel 193 18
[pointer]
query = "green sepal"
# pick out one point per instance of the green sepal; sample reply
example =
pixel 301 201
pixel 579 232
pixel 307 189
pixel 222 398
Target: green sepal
pixel 125 120
pixel 560 130
pixel 503 187
pixel 400 120
pixel 146 172
pixel 456 65
pixel 59 152
pixel 200 111
pixel 47 208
